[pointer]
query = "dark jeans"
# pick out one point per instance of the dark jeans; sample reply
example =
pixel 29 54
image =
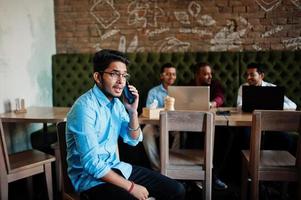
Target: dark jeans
pixel 158 186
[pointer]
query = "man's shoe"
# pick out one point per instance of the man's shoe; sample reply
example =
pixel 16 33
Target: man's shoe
pixel 219 185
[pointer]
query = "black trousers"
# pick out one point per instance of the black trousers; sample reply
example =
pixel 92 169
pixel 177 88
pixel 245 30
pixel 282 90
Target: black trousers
pixel 158 186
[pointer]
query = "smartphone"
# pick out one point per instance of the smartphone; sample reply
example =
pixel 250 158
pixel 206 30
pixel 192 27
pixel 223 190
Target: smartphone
pixel 127 94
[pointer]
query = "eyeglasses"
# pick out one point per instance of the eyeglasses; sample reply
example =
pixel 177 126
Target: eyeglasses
pixel 169 74
pixel 116 75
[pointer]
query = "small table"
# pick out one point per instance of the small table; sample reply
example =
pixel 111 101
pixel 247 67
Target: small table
pixel 40 115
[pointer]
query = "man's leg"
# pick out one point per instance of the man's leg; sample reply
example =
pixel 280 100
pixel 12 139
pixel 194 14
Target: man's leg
pixel 106 191
pixel 150 133
pixel 160 187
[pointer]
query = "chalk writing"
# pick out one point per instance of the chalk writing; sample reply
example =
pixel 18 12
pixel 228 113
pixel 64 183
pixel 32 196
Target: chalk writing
pixel 140 12
pixel 292 42
pixel 157 31
pixel 194 9
pixel 195 31
pixel 182 17
pixel 206 20
pixel 102 18
pixel 272 31
pixel 172 44
pixel 268 5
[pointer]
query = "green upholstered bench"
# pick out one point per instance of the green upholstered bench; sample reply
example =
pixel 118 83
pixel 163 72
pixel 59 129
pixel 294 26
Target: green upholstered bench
pixel 72 73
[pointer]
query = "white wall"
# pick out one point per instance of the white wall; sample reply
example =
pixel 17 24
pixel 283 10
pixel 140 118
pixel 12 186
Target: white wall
pixel 27 42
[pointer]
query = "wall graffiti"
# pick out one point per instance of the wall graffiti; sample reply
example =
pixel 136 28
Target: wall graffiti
pixel 132 47
pixel 268 5
pixel 172 44
pixel 102 18
pixel 229 37
pixel 140 10
pixel 157 31
pixel 297 3
pixel 194 10
pixel 292 43
pixel 272 31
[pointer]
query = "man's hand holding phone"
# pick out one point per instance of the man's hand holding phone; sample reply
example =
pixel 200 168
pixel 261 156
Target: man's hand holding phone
pixel 131 97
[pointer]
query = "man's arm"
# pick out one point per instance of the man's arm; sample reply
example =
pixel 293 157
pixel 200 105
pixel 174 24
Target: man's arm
pixel 218 95
pixel 139 191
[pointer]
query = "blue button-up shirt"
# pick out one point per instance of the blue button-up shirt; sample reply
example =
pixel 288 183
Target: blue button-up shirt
pixel 159 93
pixel 94 124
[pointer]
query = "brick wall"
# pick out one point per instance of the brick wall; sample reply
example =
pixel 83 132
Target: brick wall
pixel 84 26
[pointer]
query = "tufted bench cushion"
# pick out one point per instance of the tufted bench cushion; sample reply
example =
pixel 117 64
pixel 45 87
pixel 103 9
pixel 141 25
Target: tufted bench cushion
pixel 72 73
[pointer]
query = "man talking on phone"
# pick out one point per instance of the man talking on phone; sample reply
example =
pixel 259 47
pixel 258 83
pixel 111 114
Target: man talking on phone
pixel 94 123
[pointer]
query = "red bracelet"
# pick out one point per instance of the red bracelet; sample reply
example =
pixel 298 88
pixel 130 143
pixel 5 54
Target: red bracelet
pixel 132 187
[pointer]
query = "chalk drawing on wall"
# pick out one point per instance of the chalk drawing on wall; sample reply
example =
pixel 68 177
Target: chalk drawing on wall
pixel 172 44
pixel 206 20
pixel 256 47
pixel 292 43
pixel 109 33
pixel 272 31
pixel 97 47
pixel 144 13
pixel 268 5
pixel 102 18
pixel 194 9
pixel 182 17
pixel 229 37
pixel 132 47
pixel 297 3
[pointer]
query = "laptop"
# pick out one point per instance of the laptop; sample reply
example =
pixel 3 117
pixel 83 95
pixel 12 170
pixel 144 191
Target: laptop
pixel 190 97
pixel 262 98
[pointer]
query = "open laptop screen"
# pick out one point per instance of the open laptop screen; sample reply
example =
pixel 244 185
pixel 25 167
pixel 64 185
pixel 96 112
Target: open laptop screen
pixel 263 98
pixel 190 97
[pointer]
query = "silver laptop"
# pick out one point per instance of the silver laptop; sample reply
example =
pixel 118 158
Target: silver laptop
pixel 190 97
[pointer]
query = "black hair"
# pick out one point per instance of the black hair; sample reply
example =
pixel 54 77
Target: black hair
pixel 166 65
pixel 258 66
pixel 199 65
pixel 103 58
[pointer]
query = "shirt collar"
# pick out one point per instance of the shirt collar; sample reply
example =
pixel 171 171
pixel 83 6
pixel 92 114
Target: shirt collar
pixel 162 88
pixel 101 97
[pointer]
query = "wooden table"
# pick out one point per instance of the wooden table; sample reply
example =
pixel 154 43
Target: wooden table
pixel 40 115
pixel 236 118
pixel 37 115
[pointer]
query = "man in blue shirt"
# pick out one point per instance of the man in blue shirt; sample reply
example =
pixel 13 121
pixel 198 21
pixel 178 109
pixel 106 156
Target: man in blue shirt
pixel 94 123
pixel 168 75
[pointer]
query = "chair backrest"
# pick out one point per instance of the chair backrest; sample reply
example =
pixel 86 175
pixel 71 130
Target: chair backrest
pixel 188 121
pixel 272 120
pixel 67 187
pixel 4 160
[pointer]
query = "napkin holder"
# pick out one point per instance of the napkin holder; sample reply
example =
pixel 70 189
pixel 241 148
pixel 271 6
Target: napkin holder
pixel 151 113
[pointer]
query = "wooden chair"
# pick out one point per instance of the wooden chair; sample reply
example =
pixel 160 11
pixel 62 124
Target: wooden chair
pixel 68 191
pixel 22 165
pixel 270 165
pixel 188 164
